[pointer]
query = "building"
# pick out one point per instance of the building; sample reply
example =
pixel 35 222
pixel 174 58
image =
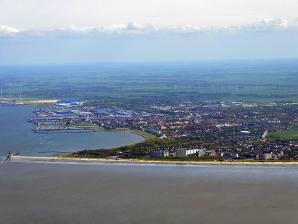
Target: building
pixel 186 152
pixel 159 154
pixel 181 152
pixel 69 103
pixel 267 156
pixel 210 153
pixel 195 119
pixel 201 153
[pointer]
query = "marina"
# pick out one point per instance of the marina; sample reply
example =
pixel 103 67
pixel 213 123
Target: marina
pixel 16 136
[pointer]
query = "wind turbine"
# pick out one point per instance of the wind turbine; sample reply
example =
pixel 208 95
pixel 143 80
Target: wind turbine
pixel 20 95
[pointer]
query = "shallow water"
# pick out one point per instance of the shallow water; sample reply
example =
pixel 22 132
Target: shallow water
pixel 102 193
pixel 16 136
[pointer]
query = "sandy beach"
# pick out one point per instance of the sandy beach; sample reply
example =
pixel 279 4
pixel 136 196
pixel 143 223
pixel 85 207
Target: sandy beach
pixel 60 191
pixel 141 161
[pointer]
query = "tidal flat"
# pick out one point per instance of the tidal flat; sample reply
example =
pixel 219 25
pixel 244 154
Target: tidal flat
pixel 148 193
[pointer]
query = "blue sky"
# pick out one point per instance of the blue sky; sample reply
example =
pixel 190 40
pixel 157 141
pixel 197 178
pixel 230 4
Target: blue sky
pixel 91 31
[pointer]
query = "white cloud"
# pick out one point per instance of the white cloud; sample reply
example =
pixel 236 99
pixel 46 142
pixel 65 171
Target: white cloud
pixel 140 28
pixel 266 25
pixel 113 28
pixel 188 28
pixel 45 14
pixel 77 29
pixel 8 30
pixel 130 27
pixel 274 23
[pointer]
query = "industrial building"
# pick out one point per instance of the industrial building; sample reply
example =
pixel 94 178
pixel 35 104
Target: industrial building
pixel 69 103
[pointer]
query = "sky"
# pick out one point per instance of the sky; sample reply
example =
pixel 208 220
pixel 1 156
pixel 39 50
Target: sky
pixel 80 31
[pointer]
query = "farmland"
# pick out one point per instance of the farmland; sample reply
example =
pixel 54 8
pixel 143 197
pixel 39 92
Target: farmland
pixel 261 81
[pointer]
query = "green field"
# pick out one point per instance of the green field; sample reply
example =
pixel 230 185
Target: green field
pixel 165 82
pixel 284 135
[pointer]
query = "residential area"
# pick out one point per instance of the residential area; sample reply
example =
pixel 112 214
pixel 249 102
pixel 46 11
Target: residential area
pixel 222 131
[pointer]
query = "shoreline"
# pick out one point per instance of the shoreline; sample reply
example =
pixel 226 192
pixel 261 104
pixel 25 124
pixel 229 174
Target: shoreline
pixel 49 159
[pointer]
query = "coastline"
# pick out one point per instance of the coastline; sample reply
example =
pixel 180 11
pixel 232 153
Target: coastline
pixel 146 136
pixel 148 162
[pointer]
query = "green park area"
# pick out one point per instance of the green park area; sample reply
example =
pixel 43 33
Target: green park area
pixel 284 135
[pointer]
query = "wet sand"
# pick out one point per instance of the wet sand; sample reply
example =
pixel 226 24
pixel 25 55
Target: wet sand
pixel 124 193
